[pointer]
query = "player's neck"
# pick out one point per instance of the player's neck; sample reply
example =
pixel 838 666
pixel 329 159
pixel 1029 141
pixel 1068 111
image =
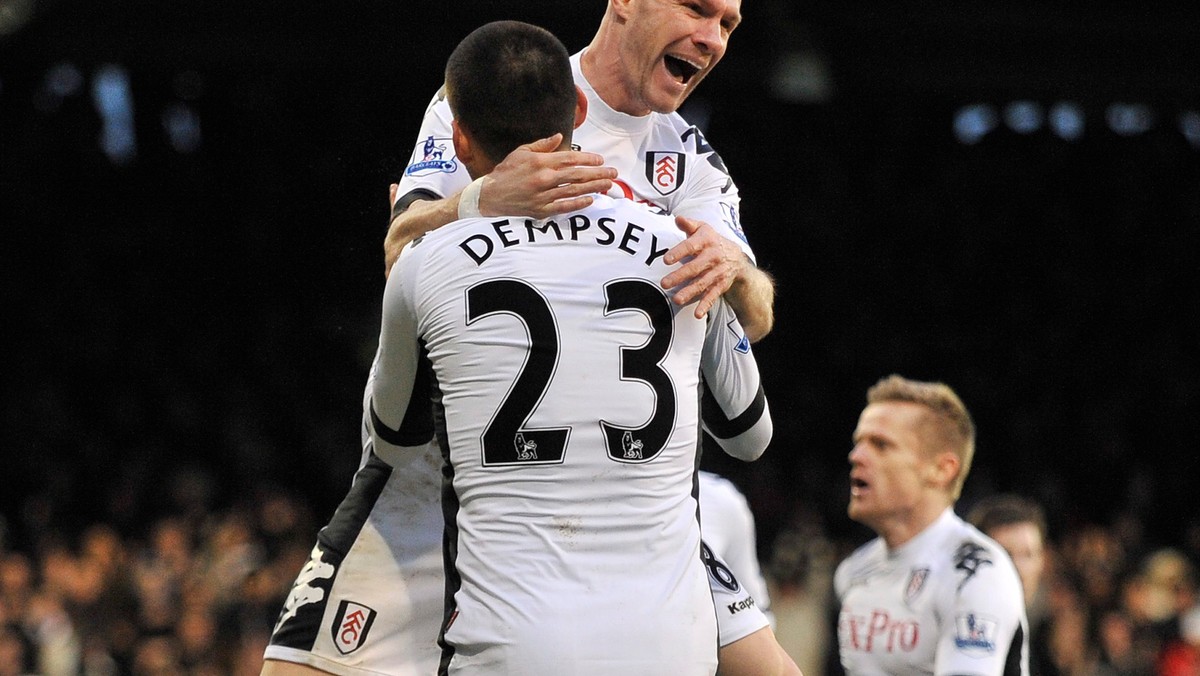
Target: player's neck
pixel 901 530
pixel 602 68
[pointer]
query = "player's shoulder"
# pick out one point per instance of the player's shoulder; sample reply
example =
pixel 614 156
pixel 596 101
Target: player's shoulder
pixel 975 559
pixel 645 216
pixel 860 562
pixel 714 487
pixel 439 104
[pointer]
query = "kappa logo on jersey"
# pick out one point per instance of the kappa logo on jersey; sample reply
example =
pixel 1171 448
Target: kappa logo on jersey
pixel 351 625
pixel 304 591
pixel 664 170
pixel 969 558
pixel 738 606
pixel 916 582
pixel 433 158
pixel 743 344
pixel 632 448
pixel 975 634
pixel 526 450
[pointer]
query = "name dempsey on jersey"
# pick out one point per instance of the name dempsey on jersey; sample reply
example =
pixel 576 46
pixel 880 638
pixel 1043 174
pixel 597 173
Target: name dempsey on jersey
pixel 606 232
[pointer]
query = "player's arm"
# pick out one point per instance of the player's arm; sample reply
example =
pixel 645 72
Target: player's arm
pixel 534 180
pixel 758 654
pixel 717 267
pixel 399 417
pixel 734 408
pixel 984 629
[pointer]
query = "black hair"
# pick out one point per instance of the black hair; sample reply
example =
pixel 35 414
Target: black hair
pixel 510 83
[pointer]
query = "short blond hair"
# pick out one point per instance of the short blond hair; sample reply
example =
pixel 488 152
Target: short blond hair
pixel 950 425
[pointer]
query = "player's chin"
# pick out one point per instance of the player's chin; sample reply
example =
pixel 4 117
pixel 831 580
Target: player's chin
pixel 857 509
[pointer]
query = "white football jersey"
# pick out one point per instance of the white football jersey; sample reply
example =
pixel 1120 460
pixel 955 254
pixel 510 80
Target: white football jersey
pixel 946 602
pixel 661 161
pixel 568 385
pixel 728 527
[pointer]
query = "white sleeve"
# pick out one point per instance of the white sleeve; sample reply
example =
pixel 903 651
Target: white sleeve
pixel 735 410
pixel 712 195
pixel 727 525
pixel 983 630
pixel 434 169
pixel 399 410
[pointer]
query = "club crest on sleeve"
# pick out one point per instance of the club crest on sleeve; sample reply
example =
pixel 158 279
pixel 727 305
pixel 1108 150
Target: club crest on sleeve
pixel 975 634
pixel 664 170
pixel 351 625
pixel 432 156
pixel 743 344
pixel 916 582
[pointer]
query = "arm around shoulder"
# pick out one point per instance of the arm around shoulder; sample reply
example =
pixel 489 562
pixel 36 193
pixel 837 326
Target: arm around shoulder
pixel 413 216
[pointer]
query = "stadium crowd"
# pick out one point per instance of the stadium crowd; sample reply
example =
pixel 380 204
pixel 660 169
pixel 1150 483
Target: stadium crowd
pixel 195 588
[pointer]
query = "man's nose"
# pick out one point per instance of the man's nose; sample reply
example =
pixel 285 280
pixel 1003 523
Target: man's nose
pixel 709 37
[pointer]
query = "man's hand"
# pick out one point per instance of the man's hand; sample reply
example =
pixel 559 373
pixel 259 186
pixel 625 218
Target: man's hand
pixel 534 180
pixel 538 181
pixel 715 263
pixel 716 266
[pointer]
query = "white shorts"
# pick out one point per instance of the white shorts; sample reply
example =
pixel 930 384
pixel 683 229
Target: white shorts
pixel 371 599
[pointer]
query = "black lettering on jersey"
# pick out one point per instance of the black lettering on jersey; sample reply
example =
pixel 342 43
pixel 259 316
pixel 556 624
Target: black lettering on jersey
pixel 630 236
pixel 969 558
pixel 478 247
pixel 655 252
pixel 578 223
pixel 504 234
pixel 738 606
pixel 603 224
pixel 702 148
pixel 544 228
pixel 717 570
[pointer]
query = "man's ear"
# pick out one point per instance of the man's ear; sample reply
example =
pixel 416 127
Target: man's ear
pixel 463 148
pixel 581 107
pixel 945 469
pixel 622 8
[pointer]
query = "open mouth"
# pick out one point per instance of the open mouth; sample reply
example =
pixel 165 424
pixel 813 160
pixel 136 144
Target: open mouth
pixel 857 485
pixel 679 69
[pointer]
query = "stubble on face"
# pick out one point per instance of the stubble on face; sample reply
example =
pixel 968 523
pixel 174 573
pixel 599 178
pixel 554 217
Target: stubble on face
pixel 670 63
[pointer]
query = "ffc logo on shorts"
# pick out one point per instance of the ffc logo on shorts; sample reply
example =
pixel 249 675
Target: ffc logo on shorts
pixel 351 625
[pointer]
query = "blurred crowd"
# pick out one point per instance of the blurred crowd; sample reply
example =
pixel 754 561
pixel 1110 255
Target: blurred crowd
pixel 195 591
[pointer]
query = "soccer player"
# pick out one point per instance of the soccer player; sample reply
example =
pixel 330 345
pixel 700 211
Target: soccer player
pixel 931 594
pixel 646 58
pixel 568 386
pixel 321 616
pixel 729 531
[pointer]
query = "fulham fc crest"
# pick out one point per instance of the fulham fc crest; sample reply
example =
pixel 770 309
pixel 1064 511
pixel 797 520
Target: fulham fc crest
pixel 350 626
pixel 664 170
pixel 916 582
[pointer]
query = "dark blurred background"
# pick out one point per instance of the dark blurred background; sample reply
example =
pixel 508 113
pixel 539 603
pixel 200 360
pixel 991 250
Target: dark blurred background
pixel 1003 196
